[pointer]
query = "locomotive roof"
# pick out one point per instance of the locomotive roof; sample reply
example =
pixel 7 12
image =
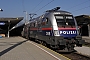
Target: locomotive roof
pixel 55 12
pixel 61 11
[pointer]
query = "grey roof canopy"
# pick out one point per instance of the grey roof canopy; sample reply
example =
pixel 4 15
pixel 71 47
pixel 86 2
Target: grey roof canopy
pixel 4 22
pixel 83 19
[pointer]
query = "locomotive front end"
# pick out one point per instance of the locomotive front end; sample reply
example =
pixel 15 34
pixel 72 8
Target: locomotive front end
pixel 67 35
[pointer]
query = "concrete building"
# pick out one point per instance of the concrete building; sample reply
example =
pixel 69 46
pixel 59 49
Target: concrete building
pixel 84 23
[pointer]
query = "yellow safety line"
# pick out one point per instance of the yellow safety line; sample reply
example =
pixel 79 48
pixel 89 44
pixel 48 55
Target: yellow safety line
pixel 56 52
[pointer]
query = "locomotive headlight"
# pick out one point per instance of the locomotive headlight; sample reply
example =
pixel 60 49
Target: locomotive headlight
pixel 56 33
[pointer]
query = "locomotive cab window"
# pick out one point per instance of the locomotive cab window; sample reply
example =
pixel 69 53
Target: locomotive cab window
pixel 63 20
pixel 60 20
pixel 45 21
pixel 35 24
pixel 70 20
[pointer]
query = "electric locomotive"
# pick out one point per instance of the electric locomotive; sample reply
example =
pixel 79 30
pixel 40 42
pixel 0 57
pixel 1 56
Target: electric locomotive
pixel 55 28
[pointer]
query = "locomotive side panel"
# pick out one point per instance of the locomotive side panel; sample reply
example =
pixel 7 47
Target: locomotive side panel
pixel 43 30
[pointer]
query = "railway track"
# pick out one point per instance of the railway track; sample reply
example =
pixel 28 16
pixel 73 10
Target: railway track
pixel 73 55
pixel 76 56
pixel 87 44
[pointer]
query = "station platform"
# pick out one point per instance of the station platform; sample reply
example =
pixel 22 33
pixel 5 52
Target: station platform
pixel 18 48
pixel 86 38
pixel 84 50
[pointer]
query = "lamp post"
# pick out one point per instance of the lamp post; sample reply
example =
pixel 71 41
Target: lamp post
pixel 8 27
pixel 26 17
pixel 1 10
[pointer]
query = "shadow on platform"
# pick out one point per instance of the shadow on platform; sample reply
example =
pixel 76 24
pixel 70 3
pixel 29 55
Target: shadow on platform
pixel 10 48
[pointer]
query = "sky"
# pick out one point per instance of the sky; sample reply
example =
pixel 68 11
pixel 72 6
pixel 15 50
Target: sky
pixel 16 8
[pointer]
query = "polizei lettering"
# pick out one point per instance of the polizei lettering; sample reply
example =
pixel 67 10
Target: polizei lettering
pixel 67 32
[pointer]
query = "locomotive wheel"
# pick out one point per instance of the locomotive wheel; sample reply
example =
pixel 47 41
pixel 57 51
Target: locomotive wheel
pixel 43 43
pixel 27 37
pixel 52 46
pixel 70 47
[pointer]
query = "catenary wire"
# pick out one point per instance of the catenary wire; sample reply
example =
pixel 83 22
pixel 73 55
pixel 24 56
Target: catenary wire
pixel 79 4
pixel 81 8
pixel 44 6
pixel 37 5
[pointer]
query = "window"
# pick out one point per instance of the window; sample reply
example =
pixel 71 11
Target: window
pixel 60 20
pixel 45 21
pixel 36 24
pixel 59 17
pixel 70 20
pixel 65 20
pixel 69 17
